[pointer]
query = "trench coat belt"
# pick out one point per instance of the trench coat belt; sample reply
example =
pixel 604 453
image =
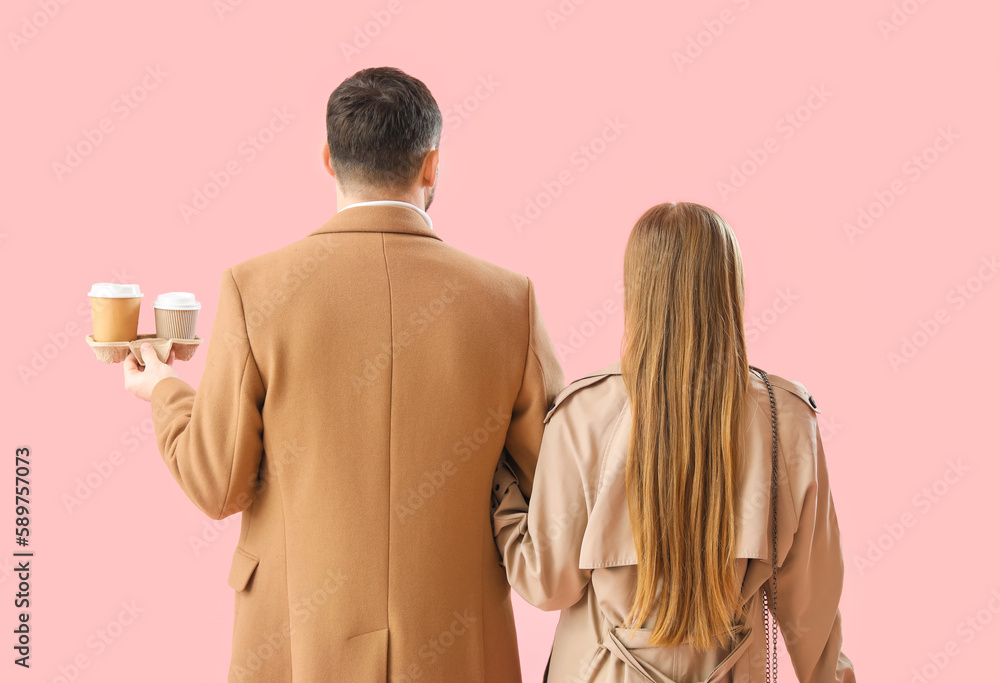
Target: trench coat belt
pixel 613 644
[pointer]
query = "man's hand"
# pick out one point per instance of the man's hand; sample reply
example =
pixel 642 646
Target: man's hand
pixel 141 381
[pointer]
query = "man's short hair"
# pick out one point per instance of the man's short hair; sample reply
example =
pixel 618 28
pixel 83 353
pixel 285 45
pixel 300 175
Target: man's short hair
pixel 380 124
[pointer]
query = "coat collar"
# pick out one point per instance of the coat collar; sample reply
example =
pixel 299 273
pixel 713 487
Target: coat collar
pixel 378 218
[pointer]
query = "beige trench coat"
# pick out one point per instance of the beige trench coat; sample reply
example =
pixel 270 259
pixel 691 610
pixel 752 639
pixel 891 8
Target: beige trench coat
pixel 573 550
pixel 360 386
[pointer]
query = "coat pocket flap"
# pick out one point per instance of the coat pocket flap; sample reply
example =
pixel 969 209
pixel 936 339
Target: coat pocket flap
pixel 368 654
pixel 242 569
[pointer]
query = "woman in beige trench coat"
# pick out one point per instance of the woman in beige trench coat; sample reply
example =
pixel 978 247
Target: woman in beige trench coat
pixel 650 518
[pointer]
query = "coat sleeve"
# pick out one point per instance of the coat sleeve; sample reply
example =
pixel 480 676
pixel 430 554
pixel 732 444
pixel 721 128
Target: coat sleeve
pixel 541 382
pixel 211 441
pixel 540 544
pixel 810 580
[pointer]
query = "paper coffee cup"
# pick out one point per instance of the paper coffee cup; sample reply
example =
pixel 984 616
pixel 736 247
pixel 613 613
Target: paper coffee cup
pixel 114 309
pixel 176 315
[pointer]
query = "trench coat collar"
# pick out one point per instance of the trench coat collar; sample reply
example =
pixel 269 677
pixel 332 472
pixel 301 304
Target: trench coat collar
pixel 378 218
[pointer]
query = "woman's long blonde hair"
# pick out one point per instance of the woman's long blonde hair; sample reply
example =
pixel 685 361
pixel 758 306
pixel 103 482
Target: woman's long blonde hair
pixel 685 367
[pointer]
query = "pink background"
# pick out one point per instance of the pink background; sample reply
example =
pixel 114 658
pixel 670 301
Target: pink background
pixel 911 445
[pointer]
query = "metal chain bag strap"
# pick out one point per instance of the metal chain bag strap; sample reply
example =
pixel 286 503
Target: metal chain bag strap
pixel 771 603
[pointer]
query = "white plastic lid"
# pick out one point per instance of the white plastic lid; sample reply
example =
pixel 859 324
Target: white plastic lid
pixel 177 301
pixel 113 290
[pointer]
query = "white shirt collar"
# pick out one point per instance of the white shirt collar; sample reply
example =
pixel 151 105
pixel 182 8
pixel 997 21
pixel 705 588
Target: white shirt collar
pixel 393 202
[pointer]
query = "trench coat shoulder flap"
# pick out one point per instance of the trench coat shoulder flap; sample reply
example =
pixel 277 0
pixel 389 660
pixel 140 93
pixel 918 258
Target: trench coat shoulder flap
pixel 583 382
pixel 242 568
pixel 607 539
pixel 796 388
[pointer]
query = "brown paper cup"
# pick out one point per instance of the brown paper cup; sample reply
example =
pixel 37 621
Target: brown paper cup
pixel 172 324
pixel 115 319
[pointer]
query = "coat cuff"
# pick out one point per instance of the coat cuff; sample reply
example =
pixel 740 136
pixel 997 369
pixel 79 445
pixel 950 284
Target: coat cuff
pixel 509 507
pixel 166 393
pixel 503 479
pixel 169 389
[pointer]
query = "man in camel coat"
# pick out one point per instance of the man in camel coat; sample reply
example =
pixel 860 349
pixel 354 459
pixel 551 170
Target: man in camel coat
pixel 360 386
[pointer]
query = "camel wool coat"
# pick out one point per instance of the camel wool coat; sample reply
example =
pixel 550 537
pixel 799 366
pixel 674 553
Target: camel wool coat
pixel 572 549
pixel 359 388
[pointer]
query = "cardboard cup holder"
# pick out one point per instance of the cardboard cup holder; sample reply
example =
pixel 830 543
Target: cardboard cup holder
pixel 117 352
